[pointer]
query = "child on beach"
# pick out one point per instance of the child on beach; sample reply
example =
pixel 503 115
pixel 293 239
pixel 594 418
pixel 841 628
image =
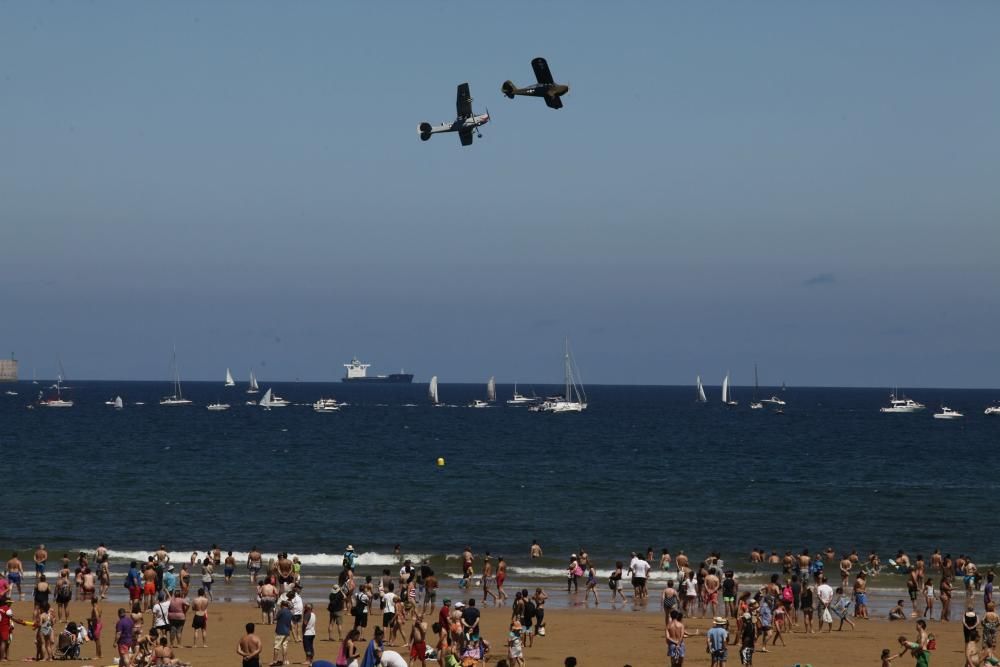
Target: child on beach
pixel 840 608
pixel 928 599
pixel 515 650
pixel 887 657
pixel 591 586
pixel 615 583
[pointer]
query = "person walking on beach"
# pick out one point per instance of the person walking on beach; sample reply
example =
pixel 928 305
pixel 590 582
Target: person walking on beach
pixel 573 574
pixel 95 625
pixel 41 556
pixel 592 585
pixel 15 574
pixel 249 647
pixel 254 559
pixel 639 569
pixel 716 641
pixel 807 610
pixel 177 614
pixel 124 637
pixel 615 583
pixel 489 581
pixel 282 630
pixel 309 633
pixel 712 585
pixel 690 593
pixel 861 596
pixel 335 607
pixel 912 583
pixel 669 600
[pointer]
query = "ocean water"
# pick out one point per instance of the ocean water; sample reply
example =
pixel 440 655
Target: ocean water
pixel 642 467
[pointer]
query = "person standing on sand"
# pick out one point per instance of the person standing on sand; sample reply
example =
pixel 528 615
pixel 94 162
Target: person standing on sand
pixel 489 582
pixel 912 590
pixel 615 583
pixel 268 600
pixel 748 639
pixel 199 623
pixel 944 594
pixel 861 596
pixel 41 556
pixel 712 585
pixel 501 578
pixel 669 601
pixel 309 633
pixel 254 559
pixel 536 549
pixel 95 625
pixel 716 640
pixel 249 647
pixel 282 629
pixel 15 574
pixel 177 614
pixel 675 635
pixel 639 569
pixel 123 637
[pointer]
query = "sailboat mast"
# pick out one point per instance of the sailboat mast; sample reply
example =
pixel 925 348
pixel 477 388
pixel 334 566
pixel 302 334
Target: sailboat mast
pixel 568 395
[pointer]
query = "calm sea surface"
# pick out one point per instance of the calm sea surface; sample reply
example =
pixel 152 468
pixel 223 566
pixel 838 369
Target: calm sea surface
pixel 643 466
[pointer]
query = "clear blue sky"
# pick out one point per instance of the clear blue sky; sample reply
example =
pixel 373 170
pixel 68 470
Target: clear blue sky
pixel 812 186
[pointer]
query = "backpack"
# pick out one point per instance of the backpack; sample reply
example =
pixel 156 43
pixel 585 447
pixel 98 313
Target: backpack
pixel 786 594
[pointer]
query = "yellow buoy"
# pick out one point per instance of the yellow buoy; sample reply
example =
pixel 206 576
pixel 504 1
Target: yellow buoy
pixel 440 462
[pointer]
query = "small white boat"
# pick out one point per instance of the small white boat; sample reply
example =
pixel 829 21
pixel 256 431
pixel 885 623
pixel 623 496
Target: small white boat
pixel 522 400
pixel 993 410
pixel 479 404
pixel 326 405
pixel 218 407
pixel 727 396
pixel 279 402
pixel 774 400
pixel 138 403
pixel 432 391
pixel 900 404
pixel 230 382
pixel 699 391
pixel 253 388
pixel 948 413
pixel 10 393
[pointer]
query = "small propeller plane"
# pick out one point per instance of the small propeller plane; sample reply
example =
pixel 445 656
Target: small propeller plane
pixel 465 124
pixel 545 88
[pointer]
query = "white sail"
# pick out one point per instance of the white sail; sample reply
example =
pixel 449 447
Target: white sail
pixel 432 391
pixel 253 384
pixel 701 390
pixel 229 379
pixel 725 389
pixel 118 403
pixel 491 390
pixel 265 401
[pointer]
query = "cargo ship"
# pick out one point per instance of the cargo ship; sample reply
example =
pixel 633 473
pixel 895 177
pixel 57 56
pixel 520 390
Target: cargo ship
pixel 358 372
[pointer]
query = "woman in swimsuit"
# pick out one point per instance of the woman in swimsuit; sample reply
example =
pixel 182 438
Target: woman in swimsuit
pixel 501 577
pixel 41 593
pixel 45 633
pixel 591 585
pixel 95 625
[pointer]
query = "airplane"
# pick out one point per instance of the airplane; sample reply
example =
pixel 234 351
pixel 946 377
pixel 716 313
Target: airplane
pixel 465 124
pixel 545 87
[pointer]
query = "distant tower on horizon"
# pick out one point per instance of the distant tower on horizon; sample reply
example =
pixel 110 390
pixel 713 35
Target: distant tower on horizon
pixel 8 369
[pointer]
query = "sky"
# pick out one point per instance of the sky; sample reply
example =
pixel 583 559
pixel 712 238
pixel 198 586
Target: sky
pixel 812 187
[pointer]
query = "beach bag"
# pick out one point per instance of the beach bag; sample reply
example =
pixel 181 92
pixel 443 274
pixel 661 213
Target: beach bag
pixel 611 583
pixel 577 571
pixel 541 630
pixel 827 617
pixel 786 594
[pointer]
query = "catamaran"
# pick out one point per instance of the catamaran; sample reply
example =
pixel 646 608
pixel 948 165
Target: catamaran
pixel 432 391
pixel 230 382
pixel 699 392
pixel 754 403
pixel 253 389
pixel 178 397
pixel 574 399
pixel 727 396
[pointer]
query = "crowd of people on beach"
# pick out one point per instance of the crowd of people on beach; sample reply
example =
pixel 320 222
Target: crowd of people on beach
pixel 755 617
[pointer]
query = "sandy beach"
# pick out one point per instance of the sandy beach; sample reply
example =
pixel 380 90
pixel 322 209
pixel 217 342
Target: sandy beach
pixel 597 637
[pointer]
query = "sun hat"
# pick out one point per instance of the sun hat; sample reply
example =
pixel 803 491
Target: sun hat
pixel 747 617
pixel 459 605
pixel 718 620
pixel 350 547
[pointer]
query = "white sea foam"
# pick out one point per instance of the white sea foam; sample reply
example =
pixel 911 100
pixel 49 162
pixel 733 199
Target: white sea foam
pixel 368 558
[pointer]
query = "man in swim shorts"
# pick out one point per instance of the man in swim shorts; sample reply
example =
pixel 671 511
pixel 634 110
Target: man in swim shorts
pixel 15 574
pixel 41 555
pixel 675 639
pixel 253 563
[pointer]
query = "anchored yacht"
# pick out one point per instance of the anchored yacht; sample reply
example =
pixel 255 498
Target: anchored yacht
pixel 899 403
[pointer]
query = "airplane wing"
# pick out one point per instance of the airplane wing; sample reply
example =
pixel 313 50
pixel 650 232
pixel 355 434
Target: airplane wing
pixel 553 102
pixel 542 72
pixel 465 136
pixel 464 102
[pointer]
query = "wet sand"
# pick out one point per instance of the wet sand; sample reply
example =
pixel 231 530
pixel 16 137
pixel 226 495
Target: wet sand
pixel 597 637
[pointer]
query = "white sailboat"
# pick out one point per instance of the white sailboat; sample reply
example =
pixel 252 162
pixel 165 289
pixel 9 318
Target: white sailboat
pixel 177 398
pixel 699 394
pixel 56 400
pixel 491 390
pixel 253 389
pixel 574 399
pixel 265 400
pixel 230 382
pixel 118 403
pixel 727 397
pixel 754 403
pixel 432 390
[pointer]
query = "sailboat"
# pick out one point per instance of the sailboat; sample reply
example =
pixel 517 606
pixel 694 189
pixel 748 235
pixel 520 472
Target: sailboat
pixel 754 403
pixel 432 390
pixel 230 382
pixel 253 389
pixel 265 400
pixel 177 398
pixel 34 377
pixel 56 400
pixel 727 397
pixel 118 403
pixel 699 393
pixel 491 390
pixel 218 406
pixel 574 399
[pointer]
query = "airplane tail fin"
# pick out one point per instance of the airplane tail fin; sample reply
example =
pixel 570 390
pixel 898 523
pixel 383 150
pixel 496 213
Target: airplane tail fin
pixel 508 88
pixel 425 131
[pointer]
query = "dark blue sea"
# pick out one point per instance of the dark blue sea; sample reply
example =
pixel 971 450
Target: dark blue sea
pixel 642 467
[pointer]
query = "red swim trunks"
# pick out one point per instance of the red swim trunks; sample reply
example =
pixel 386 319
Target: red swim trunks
pixel 418 650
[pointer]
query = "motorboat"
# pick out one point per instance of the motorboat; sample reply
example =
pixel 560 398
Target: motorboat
pixel 899 403
pixel 948 413
pixel 10 393
pixel 520 400
pixel 326 405
pixel 218 407
pixel 774 400
pixel 477 403
pixel 993 410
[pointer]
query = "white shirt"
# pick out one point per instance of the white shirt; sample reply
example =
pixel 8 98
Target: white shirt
pixel 389 603
pixel 160 614
pixel 310 627
pixel 298 607
pixel 640 568
pixel 691 585
pixel 392 659
pixel 825 593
